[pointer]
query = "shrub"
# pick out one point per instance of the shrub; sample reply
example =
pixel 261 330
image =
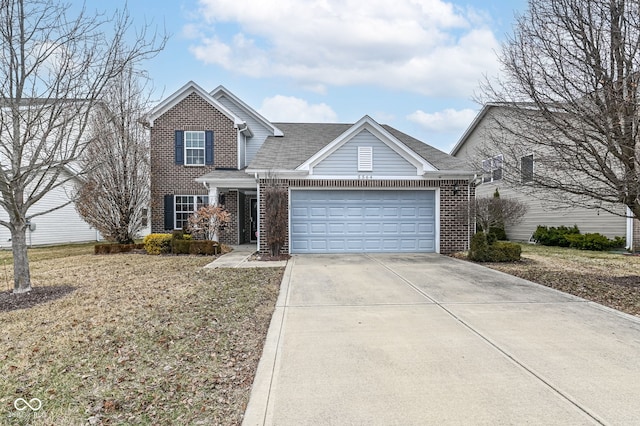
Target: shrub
pixel 552 236
pixel 205 247
pixel 479 250
pixel 157 243
pixel 116 248
pixel 593 241
pixel 503 251
pixel 498 232
pixel 483 250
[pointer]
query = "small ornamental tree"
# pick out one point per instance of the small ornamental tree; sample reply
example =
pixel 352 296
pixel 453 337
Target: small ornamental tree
pixel 207 222
pixel 495 212
pixel 276 210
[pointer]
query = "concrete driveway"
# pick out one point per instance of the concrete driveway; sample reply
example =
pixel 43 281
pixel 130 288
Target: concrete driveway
pixel 426 339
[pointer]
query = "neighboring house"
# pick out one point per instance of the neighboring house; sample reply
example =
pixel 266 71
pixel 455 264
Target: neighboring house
pixel 59 226
pixel 361 187
pixel 474 147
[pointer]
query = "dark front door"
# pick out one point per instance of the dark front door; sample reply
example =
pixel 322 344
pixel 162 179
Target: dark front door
pixel 254 219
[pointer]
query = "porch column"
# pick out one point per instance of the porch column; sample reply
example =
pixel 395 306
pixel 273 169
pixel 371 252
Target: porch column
pixel 213 200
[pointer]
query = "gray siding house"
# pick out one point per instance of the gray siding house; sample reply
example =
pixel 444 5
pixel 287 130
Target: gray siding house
pixel 358 187
pixel 474 147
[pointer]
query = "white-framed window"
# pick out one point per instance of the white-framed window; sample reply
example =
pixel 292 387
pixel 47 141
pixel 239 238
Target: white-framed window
pixel 185 206
pixel 194 148
pixel 526 168
pixel 492 169
pixel 365 158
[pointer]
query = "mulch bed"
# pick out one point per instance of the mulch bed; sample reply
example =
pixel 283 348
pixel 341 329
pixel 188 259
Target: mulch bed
pixel 10 301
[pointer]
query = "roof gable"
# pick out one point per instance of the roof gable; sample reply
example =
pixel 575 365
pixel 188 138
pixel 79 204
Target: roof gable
pixel 369 124
pixel 181 94
pixel 220 91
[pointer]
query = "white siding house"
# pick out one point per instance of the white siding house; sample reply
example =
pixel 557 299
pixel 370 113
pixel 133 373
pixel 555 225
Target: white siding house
pixel 60 226
pixel 475 147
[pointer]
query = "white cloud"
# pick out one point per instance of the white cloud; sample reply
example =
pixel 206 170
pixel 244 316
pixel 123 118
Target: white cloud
pixel 448 120
pixel 292 109
pixel 431 46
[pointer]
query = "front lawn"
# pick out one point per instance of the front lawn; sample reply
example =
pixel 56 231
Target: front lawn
pixel 141 340
pixel 607 278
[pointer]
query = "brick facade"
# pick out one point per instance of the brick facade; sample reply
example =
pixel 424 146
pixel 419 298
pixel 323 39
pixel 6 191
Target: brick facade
pixel 455 229
pixel 192 113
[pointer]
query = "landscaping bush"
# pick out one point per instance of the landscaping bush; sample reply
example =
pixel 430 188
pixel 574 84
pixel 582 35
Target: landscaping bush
pixel 552 236
pixel 204 247
pixel 595 241
pixel 484 248
pixel 503 251
pixel 498 232
pixel 111 248
pixel 479 250
pixel 158 243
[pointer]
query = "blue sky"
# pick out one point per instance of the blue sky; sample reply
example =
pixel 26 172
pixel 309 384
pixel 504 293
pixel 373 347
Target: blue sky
pixel 413 64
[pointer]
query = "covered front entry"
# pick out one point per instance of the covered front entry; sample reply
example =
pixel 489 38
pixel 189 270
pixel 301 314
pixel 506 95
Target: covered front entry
pixel 339 221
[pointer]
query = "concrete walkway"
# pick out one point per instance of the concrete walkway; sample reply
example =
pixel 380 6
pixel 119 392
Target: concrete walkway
pixel 240 258
pixel 426 339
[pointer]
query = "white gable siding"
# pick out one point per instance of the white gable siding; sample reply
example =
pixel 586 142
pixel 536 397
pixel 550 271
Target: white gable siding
pixel 260 132
pixel 344 161
pixel 60 226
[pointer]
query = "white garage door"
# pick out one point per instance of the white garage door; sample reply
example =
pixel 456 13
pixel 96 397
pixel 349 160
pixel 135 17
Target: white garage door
pixel 337 221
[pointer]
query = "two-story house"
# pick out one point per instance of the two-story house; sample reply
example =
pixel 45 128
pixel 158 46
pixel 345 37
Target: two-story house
pixel 361 187
pixel 477 149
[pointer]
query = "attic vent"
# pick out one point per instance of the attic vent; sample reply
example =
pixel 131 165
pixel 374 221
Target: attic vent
pixel 365 158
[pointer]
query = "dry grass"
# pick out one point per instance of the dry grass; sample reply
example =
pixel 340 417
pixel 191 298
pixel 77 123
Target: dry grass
pixel 607 278
pixel 142 340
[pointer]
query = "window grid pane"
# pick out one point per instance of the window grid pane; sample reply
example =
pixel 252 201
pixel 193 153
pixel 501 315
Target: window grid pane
pixel 194 148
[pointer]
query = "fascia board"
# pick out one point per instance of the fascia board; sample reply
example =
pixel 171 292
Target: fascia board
pixel 181 94
pixel 221 90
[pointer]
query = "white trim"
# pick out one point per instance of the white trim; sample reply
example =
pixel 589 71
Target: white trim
pixel 203 149
pixel 223 91
pixel 369 124
pixel 181 94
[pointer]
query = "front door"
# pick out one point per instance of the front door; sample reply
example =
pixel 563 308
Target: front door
pixel 254 218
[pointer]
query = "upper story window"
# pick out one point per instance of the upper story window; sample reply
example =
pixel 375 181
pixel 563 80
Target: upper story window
pixel 526 168
pixel 492 169
pixel 193 148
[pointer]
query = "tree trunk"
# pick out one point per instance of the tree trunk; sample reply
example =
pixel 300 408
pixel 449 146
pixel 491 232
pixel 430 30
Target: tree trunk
pixel 21 275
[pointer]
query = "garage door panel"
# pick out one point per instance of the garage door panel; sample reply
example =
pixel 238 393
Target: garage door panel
pixel 362 220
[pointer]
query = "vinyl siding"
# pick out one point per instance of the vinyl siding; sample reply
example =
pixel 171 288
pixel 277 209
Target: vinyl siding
pixel 344 161
pixel 260 132
pixel 539 212
pixel 60 226
pixel 543 213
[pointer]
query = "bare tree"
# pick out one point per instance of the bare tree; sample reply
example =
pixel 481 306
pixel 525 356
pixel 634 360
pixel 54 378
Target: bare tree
pixel 54 67
pixel 497 212
pixel 114 194
pixel 569 97
pixel 208 221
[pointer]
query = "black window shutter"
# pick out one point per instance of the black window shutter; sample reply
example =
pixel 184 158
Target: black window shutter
pixel 179 147
pixel 168 212
pixel 208 147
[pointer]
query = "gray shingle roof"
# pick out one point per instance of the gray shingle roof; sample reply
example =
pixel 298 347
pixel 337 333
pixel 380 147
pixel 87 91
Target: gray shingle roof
pixel 303 140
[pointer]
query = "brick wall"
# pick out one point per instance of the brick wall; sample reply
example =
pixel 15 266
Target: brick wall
pixel 192 113
pixel 455 229
pixel 230 233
